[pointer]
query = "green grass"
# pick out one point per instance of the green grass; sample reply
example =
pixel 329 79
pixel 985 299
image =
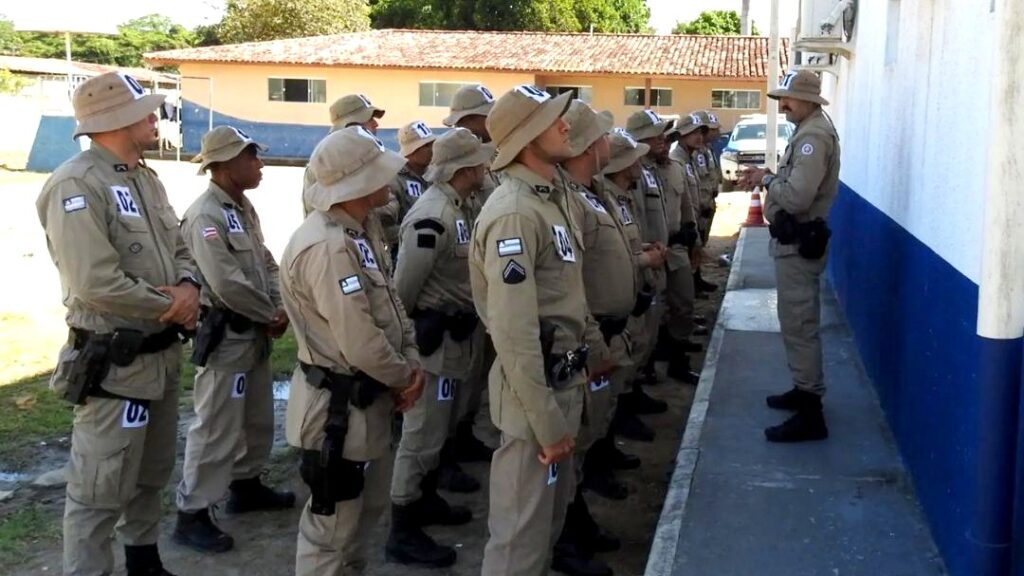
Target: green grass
pixel 23 527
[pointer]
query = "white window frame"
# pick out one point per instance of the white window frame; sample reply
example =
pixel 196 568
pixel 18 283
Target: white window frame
pixel 760 96
pixel 653 88
pixel 578 86
pixel 282 78
pixel 420 83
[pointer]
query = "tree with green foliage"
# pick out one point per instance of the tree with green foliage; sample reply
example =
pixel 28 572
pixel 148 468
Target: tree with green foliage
pixel 9 40
pixel 259 20
pixel 714 23
pixel 622 16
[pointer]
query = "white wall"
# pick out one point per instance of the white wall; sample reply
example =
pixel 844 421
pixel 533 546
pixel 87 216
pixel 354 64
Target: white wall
pixel 914 133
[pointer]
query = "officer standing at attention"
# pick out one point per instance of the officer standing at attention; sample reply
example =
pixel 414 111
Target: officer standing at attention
pixel 349 110
pixel 797 204
pixel 470 106
pixel 709 180
pixel 528 289
pixel 432 281
pixel 357 353
pixel 416 142
pixel 230 439
pixel 128 285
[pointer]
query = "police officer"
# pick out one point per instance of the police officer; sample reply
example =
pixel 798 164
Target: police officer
pixel 416 143
pixel 349 110
pixel 709 179
pixel 357 355
pixel 432 281
pixel 528 290
pixel 128 285
pixel 469 109
pixel 797 204
pixel 608 273
pixel 231 437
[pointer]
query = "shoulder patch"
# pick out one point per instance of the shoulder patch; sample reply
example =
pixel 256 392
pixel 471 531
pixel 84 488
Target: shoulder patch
pixel 807 149
pixel 210 233
pixel 510 246
pixel 426 241
pixel 74 203
pixel 513 273
pixel 429 224
pixel 350 285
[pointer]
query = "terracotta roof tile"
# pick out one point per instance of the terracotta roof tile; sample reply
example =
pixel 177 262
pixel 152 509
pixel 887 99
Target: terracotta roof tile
pixel 743 57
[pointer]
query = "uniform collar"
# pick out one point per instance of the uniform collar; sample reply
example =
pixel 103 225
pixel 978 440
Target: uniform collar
pixel 819 113
pixel 449 193
pixel 109 158
pixel 539 184
pixel 341 218
pixel 405 172
pixel 225 199
pixel 611 187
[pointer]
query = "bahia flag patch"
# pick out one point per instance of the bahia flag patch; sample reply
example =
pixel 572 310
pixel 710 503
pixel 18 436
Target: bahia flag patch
pixel 210 233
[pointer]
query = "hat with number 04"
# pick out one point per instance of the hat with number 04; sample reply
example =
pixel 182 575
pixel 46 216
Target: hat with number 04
pixel 349 164
pixel 800 85
pixel 110 102
pixel 222 144
pixel 519 117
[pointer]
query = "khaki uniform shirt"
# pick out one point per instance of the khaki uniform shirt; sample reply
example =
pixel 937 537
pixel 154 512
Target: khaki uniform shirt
pixel 433 269
pixel 624 206
pixel 346 318
pixel 525 268
pixel 114 238
pixel 808 177
pixel 238 272
pixel 650 200
pixel 706 181
pixel 679 209
pixel 477 200
pixel 308 180
pixel 406 189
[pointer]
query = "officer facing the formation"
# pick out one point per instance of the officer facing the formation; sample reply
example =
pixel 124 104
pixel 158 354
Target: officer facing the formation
pixel 797 204
pixel 528 290
pixel 416 143
pixel 129 288
pixel 608 274
pixel 469 110
pixel 357 353
pixel 349 110
pixel 432 281
pixel 230 439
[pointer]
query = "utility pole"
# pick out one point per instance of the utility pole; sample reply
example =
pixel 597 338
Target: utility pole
pixel 771 155
pixel 745 18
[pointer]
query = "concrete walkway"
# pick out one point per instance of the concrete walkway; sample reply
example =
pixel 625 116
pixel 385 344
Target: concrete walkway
pixel 739 506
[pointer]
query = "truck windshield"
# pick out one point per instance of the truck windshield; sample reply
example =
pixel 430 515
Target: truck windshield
pixel 758 131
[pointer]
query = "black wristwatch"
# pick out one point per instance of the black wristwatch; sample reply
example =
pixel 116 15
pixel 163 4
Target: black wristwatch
pixel 191 280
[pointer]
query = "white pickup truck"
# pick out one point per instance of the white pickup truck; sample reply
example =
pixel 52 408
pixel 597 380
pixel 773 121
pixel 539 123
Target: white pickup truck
pixel 748 143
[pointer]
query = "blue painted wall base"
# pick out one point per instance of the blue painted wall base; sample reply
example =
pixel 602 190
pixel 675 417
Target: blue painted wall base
pixel 53 143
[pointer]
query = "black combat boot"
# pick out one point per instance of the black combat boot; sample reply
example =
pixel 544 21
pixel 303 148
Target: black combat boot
pixel 408 544
pixel 648 375
pixel 639 402
pixel 469 448
pixel 570 558
pixel 701 285
pixel 197 531
pixel 786 401
pixel 602 482
pixel 586 530
pixel 251 495
pixel 606 453
pixel 679 369
pixel 806 425
pixel 451 476
pixel 144 561
pixel 629 426
pixel 432 509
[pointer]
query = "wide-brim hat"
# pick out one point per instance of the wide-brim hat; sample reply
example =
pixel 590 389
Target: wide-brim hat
pixel 414 136
pixel 645 124
pixel 110 102
pixel 625 151
pixel 222 144
pixel 349 164
pixel 586 125
pixel 686 124
pixel 469 101
pixel 800 85
pixel 353 109
pixel 519 117
pixel 455 149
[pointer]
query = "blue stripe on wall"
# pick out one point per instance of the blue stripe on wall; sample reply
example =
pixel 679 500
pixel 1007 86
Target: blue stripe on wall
pixel 951 397
pixel 284 140
pixel 53 144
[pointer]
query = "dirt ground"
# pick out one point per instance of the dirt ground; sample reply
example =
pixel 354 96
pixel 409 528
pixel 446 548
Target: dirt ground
pixel 265 542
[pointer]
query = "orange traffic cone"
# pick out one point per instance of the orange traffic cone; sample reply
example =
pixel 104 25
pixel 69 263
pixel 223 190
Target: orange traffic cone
pixel 755 215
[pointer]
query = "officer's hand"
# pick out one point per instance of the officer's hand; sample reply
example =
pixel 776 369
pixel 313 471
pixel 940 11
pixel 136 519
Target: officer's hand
pixel 408 396
pixel 558 451
pixel 751 178
pixel 278 324
pixel 652 257
pixel 184 307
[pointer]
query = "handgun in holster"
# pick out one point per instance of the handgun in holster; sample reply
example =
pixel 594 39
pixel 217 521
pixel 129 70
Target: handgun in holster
pixel 560 368
pixel 644 299
pixel 212 327
pixel 88 370
pixel 430 326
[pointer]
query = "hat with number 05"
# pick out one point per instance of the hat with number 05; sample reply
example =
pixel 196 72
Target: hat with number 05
pixel 110 102
pixel 348 164
pixel 519 117
pixel 801 85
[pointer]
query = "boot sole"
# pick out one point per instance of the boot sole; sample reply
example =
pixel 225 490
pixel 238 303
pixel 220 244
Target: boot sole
pixel 398 558
pixel 188 543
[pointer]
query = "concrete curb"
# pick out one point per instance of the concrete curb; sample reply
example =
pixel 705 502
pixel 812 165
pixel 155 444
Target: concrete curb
pixel 662 557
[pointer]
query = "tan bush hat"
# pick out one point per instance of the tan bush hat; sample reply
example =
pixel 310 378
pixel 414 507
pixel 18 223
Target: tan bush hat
pixel 713 122
pixel 801 85
pixel 585 125
pixel 414 136
pixel 468 101
pixel 519 116
pixel 646 124
pixel 625 150
pixel 110 102
pixel 353 109
pixel 455 149
pixel 348 164
pixel 686 124
pixel 222 144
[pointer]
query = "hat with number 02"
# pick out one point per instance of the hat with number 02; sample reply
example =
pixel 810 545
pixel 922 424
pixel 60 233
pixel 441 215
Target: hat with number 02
pixel 222 144
pixel 800 85
pixel 519 117
pixel 349 164
pixel 110 102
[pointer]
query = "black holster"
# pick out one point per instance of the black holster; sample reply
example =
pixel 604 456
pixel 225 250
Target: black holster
pixel 430 326
pixel 461 325
pixel 811 237
pixel 97 352
pixel 212 327
pixel 560 368
pixel 611 327
pixel 686 236
pixel 644 299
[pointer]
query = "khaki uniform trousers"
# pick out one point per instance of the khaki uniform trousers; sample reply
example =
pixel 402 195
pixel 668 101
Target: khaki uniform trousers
pixel 474 405
pixel 336 545
pixel 527 509
pixel 704 224
pixel 679 297
pixel 425 428
pixel 231 436
pixel 122 455
pixel 798 282
pixel 652 320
